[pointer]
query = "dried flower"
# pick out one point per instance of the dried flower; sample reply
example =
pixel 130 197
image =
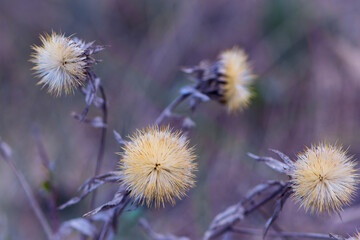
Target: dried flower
pixel 324 178
pixel 157 166
pixel 227 80
pixel 62 62
pixel 235 71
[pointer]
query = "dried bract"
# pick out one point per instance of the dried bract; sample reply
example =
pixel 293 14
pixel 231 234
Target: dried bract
pixel 324 178
pixel 62 63
pixel 157 166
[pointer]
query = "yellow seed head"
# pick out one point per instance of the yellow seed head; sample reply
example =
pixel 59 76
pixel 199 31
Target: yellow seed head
pixel 157 166
pixel 324 178
pixel 237 74
pixel 59 63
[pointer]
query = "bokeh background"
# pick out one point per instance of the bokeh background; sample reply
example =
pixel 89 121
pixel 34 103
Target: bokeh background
pixel 307 58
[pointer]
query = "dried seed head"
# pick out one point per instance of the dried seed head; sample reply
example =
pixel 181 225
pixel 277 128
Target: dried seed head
pixel 237 74
pixel 324 178
pixel 157 166
pixel 60 63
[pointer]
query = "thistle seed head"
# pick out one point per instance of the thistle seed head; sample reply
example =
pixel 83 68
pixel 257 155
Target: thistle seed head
pixel 324 178
pixel 237 75
pixel 61 62
pixel 157 166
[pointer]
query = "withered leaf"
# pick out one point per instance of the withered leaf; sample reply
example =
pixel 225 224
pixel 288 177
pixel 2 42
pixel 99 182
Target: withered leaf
pixel 121 199
pixel 90 185
pixel 83 225
pixel 271 162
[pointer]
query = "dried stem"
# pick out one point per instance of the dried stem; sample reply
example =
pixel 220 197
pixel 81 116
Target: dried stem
pixel 168 110
pixel 218 232
pixel 112 222
pixel 102 141
pixel 30 195
pixel 265 200
pixel 280 234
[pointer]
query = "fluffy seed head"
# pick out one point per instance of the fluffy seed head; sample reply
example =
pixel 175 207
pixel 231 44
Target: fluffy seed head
pixel 237 75
pixel 324 178
pixel 157 166
pixel 60 63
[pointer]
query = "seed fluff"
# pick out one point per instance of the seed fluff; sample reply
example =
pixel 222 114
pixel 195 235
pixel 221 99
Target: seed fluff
pixel 237 76
pixel 157 166
pixel 324 178
pixel 60 63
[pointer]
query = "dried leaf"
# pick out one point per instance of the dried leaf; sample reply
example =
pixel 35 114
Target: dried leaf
pixel 84 226
pixel 195 93
pixel 121 199
pixel 258 189
pixel 96 122
pixel 201 96
pixel 285 158
pixel 279 205
pixel 118 138
pixel 188 123
pixel 186 90
pixel 225 220
pixel 156 236
pixel 90 185
pixel 103 216
pixel 271 162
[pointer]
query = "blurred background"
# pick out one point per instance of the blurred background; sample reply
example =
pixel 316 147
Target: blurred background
pixel 307 58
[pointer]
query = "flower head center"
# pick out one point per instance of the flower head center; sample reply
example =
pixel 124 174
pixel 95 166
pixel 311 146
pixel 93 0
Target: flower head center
pixel 157 165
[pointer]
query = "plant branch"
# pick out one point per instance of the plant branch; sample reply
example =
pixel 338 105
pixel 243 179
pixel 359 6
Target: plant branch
pixel 168 110
pixel 102 140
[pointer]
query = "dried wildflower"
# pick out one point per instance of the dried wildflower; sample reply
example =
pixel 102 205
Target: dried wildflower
pixel 324 178
pixel 235 71
pixel 157 166
pixel 62 63
pixel 227 81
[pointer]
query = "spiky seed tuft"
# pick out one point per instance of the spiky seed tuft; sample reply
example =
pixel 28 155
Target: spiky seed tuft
pixel 157 166
pixel 60 63
pixel 355 237
pixel 237 74
pixel 324 178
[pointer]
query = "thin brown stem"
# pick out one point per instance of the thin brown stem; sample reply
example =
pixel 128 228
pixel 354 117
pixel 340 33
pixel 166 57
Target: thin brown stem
pixel 280 234
pixel 31 197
